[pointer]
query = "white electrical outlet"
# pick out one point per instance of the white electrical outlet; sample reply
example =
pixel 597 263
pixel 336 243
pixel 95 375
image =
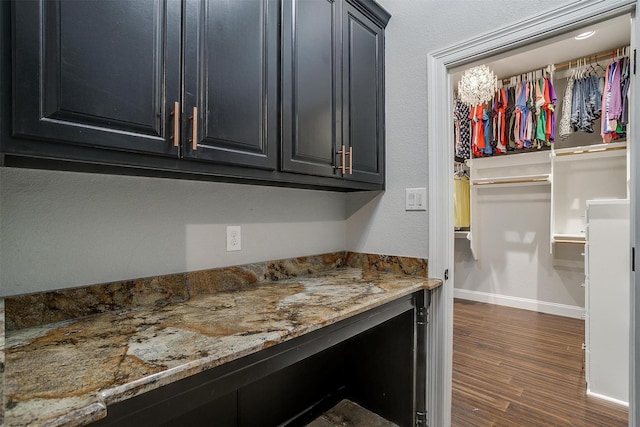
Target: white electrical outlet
pixel 234 238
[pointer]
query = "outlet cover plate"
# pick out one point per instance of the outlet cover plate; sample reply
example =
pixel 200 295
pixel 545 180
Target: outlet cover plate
pixel 234 238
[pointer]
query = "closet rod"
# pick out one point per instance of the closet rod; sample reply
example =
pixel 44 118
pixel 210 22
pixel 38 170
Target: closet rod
pixel 548 69
pixel 512 181
pixel 597 57
pixel 576 242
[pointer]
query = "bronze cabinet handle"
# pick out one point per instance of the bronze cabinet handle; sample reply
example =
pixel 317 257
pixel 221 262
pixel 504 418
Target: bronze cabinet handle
pixel 176 124
pixel 194 129
pixel 343 166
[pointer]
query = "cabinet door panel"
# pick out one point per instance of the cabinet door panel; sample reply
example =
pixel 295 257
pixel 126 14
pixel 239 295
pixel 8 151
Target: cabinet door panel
pixel 311 96
pixel 363 85
pixel 231 77
pixel 97 73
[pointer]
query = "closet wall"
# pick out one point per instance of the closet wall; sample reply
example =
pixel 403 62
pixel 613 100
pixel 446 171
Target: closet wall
pixel 514 265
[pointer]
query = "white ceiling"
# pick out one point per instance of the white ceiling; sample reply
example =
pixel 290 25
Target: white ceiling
pixel 610 34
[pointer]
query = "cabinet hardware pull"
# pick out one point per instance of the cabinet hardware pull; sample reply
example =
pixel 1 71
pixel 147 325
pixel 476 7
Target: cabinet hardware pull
pixel 194 129
pixel 176 124
pixel 343 167
pixel 350 154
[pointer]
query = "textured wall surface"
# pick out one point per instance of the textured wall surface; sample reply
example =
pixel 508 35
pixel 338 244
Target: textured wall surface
pixel 62 229
pixel 417 27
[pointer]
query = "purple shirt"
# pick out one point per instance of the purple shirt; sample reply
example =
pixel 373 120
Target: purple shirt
pixel 615 98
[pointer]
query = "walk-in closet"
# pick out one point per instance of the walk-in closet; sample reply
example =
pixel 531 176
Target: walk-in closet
pixel 541 189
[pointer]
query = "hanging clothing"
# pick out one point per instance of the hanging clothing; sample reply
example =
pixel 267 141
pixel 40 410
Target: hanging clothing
pixel 565 121
pixel 486 123
pixel 579 118
pixel 461 201
pixel 586 103
pixel 462 127
pixel 594 99
pixel 550 109
pixel 625 80
pixel 521 113
pixel 542 93
pixel 510 118
pixel 615 99
pixel 499 120
pixel 612 101
pixel 476 115
pixel 531 121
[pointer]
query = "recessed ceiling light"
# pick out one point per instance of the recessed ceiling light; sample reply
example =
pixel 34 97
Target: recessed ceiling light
pixel 585 35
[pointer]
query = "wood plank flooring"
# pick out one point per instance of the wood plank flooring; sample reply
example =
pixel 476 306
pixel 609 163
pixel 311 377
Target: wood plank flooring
pixel 516 367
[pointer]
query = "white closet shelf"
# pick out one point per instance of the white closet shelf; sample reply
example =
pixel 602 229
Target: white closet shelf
pixel 590 151
pixel 539 179
pixel 594 202
pixel 578 239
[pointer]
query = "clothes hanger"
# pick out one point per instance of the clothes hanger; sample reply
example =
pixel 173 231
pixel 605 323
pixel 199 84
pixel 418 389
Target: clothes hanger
pixel 604 70
pixel 591 70
pixel 572 71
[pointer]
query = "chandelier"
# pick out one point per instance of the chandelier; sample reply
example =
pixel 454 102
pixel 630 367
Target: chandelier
pixel 477 85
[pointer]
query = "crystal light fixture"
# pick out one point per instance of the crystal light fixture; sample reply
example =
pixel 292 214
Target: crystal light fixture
pixel 477 85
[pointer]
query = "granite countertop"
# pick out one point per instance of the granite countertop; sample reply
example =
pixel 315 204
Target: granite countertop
pixel 68 373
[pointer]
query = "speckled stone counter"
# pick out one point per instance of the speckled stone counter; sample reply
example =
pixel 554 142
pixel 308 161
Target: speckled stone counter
pixel 2 333
pixel 68 373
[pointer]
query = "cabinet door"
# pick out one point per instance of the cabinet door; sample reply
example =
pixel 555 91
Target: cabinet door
pixel 607 325
pixel 231 65
pixel 311 93
pixel 97 73
pixel 363 98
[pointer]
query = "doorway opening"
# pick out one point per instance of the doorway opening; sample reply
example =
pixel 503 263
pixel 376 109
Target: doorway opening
pixel 442 66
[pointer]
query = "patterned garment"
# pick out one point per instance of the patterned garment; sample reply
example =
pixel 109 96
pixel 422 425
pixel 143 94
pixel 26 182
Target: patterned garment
pixel 462 130
pixel 565 120
pixel 499 121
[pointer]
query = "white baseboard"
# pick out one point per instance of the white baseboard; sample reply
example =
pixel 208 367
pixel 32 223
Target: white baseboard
pixel 524 303
pixel 607 398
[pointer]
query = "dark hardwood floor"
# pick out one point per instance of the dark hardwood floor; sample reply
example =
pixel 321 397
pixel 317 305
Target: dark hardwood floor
pixel 516 367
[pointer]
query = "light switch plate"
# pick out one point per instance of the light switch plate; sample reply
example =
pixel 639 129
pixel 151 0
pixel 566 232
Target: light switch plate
pixel 416 199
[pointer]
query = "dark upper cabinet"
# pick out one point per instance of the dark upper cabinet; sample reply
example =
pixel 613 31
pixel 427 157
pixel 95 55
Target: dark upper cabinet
pixel 275 92
pixel 311 86
pixel 231 81
pixel 333 90
pixel 97 73
pixel 363 97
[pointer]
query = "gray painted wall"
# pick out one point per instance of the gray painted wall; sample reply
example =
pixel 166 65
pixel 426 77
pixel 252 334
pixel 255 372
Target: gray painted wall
pixel 66 229
pixel 380 224
pixel 61 229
